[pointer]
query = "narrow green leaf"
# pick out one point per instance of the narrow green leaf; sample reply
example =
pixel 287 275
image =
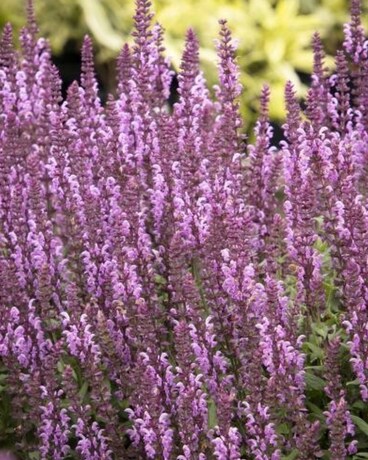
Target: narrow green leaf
pixel 212 414
pixel 361 424
pixel 83 390
pixel 315 368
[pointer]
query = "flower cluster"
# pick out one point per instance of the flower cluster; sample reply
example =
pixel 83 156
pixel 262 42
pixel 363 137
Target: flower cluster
pixel 160 279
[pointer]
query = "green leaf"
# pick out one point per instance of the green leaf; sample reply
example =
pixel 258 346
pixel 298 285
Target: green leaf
pixel 317 411
pixel 34 455
pixel 83 390
pixel 212 414
pixel 361 424
pixel 293 455
pixel 60 366
pixel 123 404
pixel 317 352
pixel 283 428
pixel 160 280
pixel 314 382
pixel 98 22
pixel 360 405
pixel 315 368
pixel 321 330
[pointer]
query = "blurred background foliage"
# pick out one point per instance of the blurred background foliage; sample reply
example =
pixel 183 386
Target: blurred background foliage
pixel 274 36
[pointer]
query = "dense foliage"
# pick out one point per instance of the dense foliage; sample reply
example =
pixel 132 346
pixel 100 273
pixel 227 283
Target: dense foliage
pixel 274 36
pixel 167 291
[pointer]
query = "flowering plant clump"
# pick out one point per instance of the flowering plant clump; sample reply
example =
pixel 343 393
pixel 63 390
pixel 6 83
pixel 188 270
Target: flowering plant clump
pixel 168 292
